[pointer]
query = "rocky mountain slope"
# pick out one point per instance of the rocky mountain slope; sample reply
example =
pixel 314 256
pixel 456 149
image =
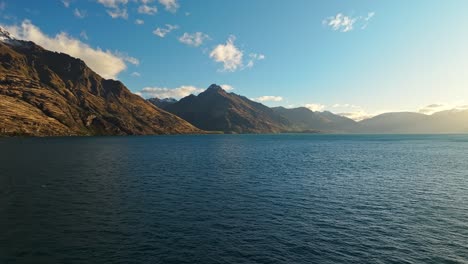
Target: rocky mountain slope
pixel 45 93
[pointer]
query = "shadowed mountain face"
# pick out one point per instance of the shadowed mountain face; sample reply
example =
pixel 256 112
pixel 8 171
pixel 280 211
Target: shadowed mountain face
pixel 303 119
pixel 47 93
pixel 217 110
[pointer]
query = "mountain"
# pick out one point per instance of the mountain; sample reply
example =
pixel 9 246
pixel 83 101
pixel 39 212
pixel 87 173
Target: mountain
pixel 400 122
pixel 452 121
pixel 304 119
pixel 161 103
pixel 216 110
pixel 46 93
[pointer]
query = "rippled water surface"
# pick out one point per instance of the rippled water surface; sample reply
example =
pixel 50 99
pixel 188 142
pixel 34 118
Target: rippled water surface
pixel 234 199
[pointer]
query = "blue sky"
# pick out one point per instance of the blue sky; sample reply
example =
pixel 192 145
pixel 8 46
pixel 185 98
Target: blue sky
pixel 359 58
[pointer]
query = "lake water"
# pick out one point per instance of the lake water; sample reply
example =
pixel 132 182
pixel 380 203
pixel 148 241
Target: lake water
pixel 234 199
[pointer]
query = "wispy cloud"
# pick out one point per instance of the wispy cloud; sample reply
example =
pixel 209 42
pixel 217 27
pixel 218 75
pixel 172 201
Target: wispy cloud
pixel 196 39
pixel 170 5
pixel 344 23
pixel 139 21
pixel 148 10
pixel 106 63
pixel 135 74
pixel 253 57
pixel 438 107
pixel 162 92
pixel 118 13
pixel 113 3
pixel 228 54
pixel 268 98
pixel 66 3
pixel 79 13
pixel 116 8
pixel 357 115
pixel 367 19
pixel 351 111
pixel 84 35
pixel 129 59
pixel 162 32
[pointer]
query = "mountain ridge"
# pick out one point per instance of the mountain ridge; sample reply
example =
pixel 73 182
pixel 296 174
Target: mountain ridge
pixel 45 93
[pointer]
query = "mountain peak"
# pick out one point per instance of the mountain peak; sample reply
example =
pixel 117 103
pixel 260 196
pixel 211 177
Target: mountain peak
pixel 5 35
pixel 215 87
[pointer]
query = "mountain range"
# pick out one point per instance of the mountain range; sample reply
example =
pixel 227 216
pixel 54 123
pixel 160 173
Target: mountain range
pixel 45 93
pixel 217 110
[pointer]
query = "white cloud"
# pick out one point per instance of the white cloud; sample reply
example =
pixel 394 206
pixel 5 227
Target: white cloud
pixel 139 22
pixel 79 13
pixel 118 13
pixel 269 98
pixel 227 87
pixel 315 107
pixel 104 62
pixel 162 32
pixel 84 35
pixel 344 23
pixel 113 3
pixel 228 54
pixel 170 5
pixel 135 74
pixel 196 39
pixel 177 93
pixel 146 9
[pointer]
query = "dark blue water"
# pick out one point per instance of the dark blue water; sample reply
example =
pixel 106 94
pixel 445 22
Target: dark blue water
pixel 234 199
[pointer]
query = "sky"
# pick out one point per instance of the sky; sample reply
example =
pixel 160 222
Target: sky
pixel 357 58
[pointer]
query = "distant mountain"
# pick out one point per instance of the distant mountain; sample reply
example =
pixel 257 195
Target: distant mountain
pixel 216 110
pixel 162 103
pixel 452 121
pixel 45 93
pixel 401 122
pixel 304 119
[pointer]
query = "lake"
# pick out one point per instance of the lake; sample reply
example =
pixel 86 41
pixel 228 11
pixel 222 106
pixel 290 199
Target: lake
pixel 235 199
